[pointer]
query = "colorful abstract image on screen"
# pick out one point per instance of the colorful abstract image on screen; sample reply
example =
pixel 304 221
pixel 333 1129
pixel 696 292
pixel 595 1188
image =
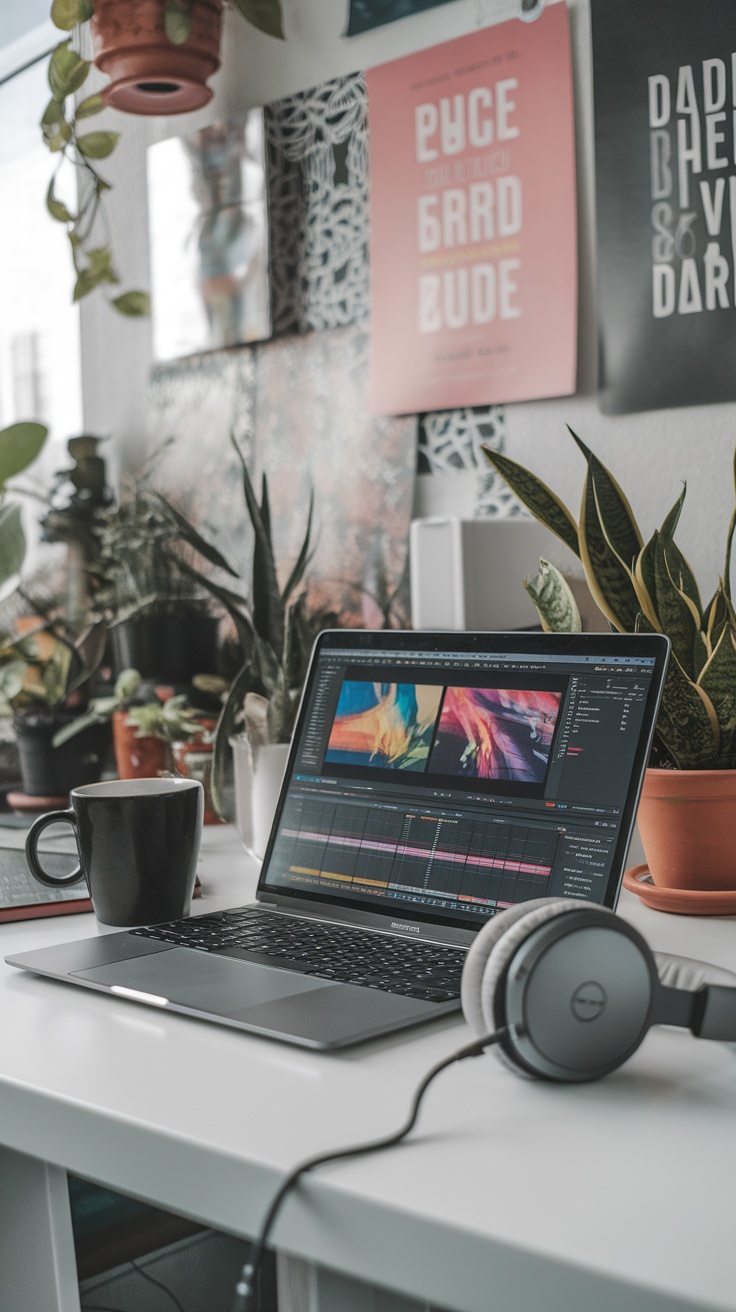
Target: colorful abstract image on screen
pixel 495 733
pixel 384 724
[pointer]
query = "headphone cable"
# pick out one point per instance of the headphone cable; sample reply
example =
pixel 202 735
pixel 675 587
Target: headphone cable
pixel 245 1288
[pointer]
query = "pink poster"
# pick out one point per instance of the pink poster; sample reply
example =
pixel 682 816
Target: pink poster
pixel 474 241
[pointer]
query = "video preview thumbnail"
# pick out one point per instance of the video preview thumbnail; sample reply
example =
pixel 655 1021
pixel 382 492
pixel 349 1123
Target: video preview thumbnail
pixel 479 733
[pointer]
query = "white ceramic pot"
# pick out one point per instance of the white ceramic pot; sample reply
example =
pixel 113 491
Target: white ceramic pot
pixel 258 777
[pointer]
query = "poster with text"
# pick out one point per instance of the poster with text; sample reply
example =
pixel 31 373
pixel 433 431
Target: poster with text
pixel 473 224
pixel 665 104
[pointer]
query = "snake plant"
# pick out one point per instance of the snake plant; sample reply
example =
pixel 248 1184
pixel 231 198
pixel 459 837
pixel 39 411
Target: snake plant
pixel 644 588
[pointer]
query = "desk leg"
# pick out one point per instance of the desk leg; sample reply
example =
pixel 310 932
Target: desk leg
pixel 38 1269
pixel 304 1287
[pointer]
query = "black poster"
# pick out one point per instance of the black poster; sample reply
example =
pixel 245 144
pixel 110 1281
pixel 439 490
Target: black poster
pixel 665 134
pixel 365 14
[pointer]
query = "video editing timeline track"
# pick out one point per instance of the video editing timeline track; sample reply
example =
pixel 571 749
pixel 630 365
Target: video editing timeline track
pixel 410 854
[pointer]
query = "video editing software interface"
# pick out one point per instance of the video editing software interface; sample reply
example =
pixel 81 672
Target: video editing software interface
pixel 453 785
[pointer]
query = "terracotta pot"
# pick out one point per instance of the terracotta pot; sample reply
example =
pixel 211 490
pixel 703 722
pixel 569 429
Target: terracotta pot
pixel 148 73
pixel 137 758
pixel 686 821
pixel 193 760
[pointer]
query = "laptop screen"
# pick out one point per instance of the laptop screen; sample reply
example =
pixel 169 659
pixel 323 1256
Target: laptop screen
pixel 449 776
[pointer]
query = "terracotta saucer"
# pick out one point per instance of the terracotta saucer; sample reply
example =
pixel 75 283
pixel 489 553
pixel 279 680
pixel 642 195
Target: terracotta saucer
pixel 681 901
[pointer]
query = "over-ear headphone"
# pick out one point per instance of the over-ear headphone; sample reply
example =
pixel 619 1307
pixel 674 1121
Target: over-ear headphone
pixel 575 989
pixel 561 990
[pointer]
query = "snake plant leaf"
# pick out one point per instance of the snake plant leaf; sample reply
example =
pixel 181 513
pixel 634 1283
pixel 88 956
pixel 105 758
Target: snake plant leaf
pixel 718 680
pixel 677 614
pixel 135 304
pixel 268 609
pixel 245 681
pixel 673 518
pixel 97 145
pixel 266 508
pixel 537 497
pixel 687 725
pixel 263 14
pixel 715 616
pixel 553 598
pixel 303 559
pixel 194 538
pixel 298 636
pixel 614 512
pixel 67 71
pixel 12 540
pixel 20 444
pixel 609 580
pixel 729 540
pixel 682 575
pixel 645 581
pixel 68 14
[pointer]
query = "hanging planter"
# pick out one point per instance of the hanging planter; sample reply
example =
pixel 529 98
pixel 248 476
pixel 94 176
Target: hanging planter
pixel 158 54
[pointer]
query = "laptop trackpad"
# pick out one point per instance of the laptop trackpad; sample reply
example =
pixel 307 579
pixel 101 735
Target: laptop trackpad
pixel 202 981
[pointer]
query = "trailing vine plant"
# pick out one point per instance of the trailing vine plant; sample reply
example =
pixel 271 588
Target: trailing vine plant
pixel 65 135
pixel 63 125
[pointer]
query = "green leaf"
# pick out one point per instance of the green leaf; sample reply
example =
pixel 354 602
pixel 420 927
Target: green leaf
pixel 56 208
pixel 716 616
pixel 615 514
pixel 134 304
pixel 77 726
pixel 645 581
pixel 608 578
pixel 12 674
pixel 20 445
pixel 178 21
pixel 100 269
pixel 235 607
pixel 68 14
pixel 303 558
pixel 67 71
pixel 718 680
pixel 537 497
pixel 263 14
pixel 54 127
pixel 246 680
pixel 729 542
pixel 97 145
pixel 89 106
pixel 677 614
pixel 687 724
pixel 194 538
pixel 673 518
pixel 12 541
pixel 552 596
pixel 268 609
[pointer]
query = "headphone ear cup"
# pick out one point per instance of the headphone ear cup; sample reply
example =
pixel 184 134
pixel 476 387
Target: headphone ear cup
pixel 477 958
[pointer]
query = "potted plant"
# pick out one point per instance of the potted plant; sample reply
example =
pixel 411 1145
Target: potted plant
pixel 275 633
pixel 158 615
pixel 687 807
pixel 158 55
pixel 44 674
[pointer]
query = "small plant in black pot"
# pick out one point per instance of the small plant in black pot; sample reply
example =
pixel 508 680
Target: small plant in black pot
pixel 159 618
pixel 43 678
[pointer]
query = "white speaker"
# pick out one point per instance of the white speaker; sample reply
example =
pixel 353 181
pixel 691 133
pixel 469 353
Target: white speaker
pixel 469 573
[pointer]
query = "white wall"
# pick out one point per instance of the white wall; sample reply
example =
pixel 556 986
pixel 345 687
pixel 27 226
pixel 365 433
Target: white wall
pixel 650 453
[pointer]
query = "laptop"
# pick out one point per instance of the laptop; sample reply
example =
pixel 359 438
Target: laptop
pixel 434 779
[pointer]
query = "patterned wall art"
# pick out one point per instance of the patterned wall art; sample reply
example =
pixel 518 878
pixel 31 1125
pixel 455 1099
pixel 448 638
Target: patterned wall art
pixel 209 238
pixel 314 434
pixel 365 14
pixel 317 167
pixel 450 443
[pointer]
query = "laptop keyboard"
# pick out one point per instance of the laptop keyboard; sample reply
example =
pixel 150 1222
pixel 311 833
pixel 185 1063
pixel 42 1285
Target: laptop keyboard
pixel 427 971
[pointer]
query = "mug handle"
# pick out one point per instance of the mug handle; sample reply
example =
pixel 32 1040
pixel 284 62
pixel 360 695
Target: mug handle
pixel 34 833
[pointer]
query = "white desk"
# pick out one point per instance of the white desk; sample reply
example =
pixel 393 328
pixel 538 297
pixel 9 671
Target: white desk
pixel 511 1195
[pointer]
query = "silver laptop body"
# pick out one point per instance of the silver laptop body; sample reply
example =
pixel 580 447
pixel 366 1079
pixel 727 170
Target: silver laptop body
pixel 433 780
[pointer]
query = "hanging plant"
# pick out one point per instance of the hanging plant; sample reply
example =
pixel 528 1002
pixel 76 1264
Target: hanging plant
pixel 158 55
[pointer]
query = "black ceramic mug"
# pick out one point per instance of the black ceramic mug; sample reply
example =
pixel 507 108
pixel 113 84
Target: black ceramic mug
pixel 138 843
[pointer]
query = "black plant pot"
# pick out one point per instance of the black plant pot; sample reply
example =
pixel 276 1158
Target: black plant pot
pixel 169 650
pixel 49 771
